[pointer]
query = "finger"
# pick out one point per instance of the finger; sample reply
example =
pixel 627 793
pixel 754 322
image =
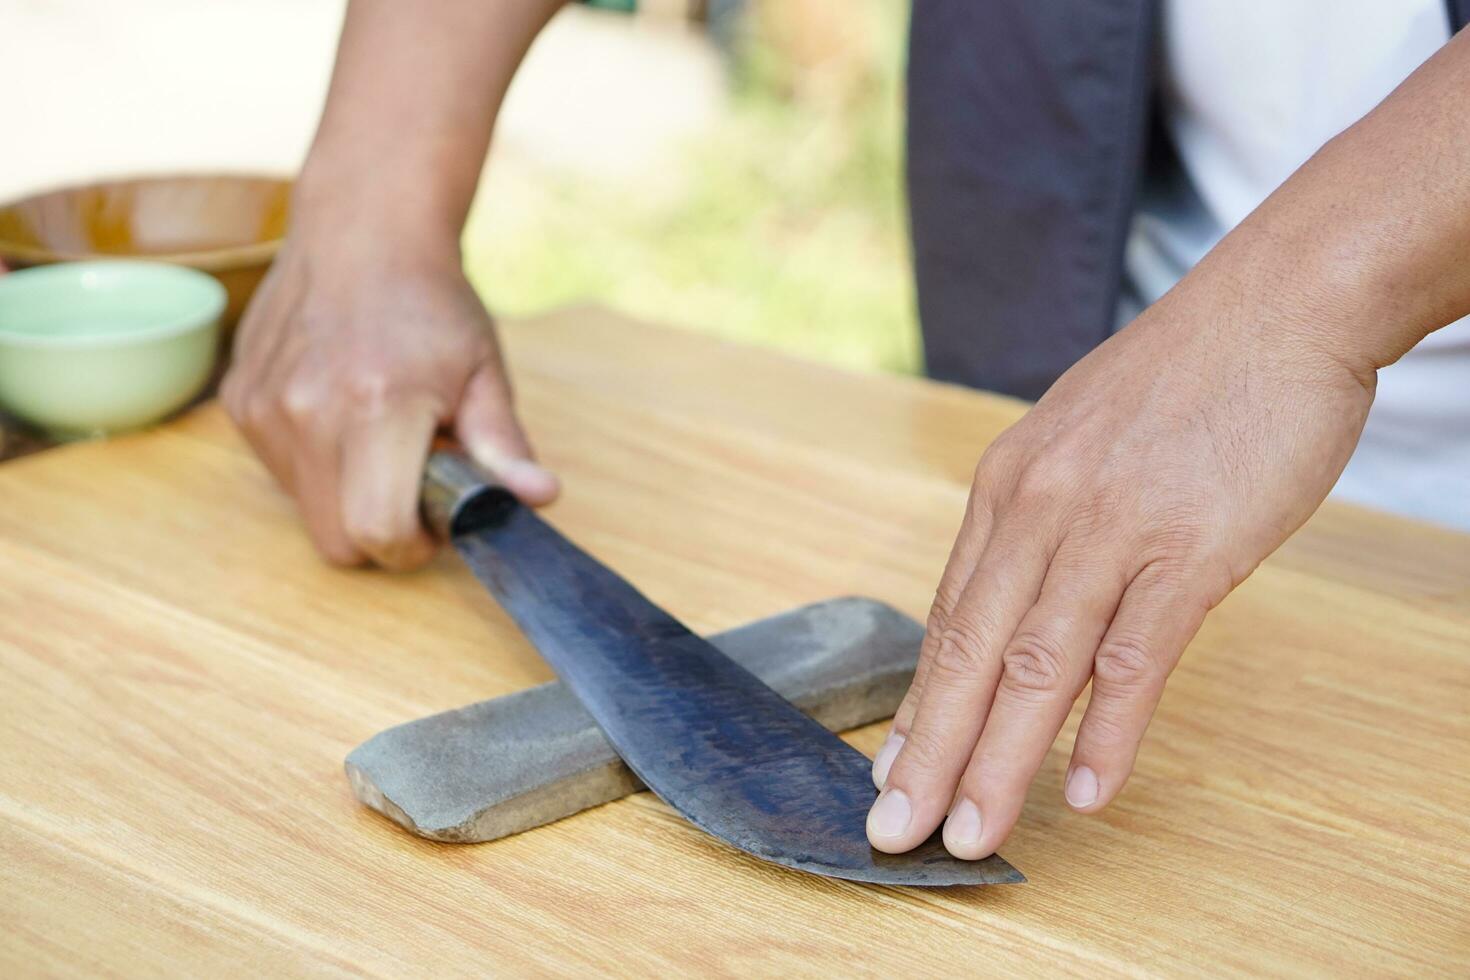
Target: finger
pixel 968 546
pixel 1043 669
pixel 317 464
pixel 268 434
pixel 382 467
pixel 486 425
pixel 263 325
pixel 249 396
pixel 958 687
pixel 1157 617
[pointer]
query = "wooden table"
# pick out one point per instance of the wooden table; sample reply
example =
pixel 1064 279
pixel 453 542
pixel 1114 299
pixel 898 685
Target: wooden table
pixel 180 679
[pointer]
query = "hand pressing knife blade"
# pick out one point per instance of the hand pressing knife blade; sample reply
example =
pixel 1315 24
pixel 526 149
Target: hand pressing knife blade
pixel 720 747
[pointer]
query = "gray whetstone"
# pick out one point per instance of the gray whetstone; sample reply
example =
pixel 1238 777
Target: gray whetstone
pixel 526 759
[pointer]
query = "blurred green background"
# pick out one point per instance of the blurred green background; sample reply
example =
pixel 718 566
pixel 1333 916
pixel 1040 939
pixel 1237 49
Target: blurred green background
pixel 730 166
pixel 779 221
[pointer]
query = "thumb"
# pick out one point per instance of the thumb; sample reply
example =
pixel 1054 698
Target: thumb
pixel 486 425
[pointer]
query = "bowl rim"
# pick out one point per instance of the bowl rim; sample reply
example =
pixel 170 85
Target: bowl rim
pixel 220 259
pixel 204 317
pixel 213 260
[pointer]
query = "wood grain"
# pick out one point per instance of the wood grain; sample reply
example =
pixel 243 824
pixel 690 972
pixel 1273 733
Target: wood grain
pixel 182 678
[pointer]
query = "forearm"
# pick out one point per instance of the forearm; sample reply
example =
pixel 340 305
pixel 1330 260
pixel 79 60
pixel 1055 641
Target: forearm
pixel 410 111
pixel 1364 249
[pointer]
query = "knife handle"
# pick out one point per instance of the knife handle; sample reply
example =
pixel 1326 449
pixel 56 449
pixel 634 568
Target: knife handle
pixel 458 495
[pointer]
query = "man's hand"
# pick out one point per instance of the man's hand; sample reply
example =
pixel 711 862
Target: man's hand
pixel 1146 484
pixel 365 338
pixel 1159 471
pixel 345 367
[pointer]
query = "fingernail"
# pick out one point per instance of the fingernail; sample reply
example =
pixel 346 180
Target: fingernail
pixel 890 815
pixel 883 761
pixel 1082 787
pixel 528 478
pixel 962 828
pixel 524 469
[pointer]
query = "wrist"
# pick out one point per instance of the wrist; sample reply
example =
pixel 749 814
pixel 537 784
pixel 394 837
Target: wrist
pixel 1286 285
pixel 365 211
pixel 1250 297
pixel 1347 267
pixel 375 241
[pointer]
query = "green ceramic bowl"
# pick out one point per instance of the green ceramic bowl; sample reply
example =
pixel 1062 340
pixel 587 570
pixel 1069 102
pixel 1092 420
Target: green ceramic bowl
pixel 88 348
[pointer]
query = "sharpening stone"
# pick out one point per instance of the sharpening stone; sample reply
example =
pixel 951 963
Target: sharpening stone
pixel 519 761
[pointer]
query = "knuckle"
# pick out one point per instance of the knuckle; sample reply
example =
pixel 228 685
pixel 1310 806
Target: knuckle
pixel 1041 487
pixel 923 753
pixel 934 627
pixel 1003 450
pixel 1103 731
pixel 302 401
pixel 1034 663
pixel 1124 664
pixel 368 387
pixel 256 414
pixel 340 553
pixel 407 559
pixel 374 533
pixel 984 474
pixel 946 597
pixel 960 650
pixel 996 467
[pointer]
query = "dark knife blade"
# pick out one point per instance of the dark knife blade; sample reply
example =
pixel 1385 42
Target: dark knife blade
pixel 715 743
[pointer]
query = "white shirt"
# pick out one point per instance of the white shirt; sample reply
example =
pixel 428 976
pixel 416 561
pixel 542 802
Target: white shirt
pixel 1251 89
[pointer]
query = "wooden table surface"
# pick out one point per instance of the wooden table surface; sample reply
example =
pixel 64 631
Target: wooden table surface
pixel 180 679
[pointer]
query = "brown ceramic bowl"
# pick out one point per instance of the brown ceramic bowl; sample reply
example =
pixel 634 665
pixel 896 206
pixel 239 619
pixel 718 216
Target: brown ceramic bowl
pixel 229 226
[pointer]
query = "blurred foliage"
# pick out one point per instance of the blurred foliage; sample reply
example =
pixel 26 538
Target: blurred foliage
pixel 783 226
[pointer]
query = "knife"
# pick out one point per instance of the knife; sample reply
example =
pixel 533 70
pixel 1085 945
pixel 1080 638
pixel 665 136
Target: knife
pixel 727 752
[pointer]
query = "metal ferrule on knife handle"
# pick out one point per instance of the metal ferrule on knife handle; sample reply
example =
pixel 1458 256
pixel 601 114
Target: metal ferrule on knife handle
pixel 458 493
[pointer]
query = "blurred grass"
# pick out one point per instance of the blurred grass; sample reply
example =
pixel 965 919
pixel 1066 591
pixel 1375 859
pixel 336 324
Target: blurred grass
pixel 785 226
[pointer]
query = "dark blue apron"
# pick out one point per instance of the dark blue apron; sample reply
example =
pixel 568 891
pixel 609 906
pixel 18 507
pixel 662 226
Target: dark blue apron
pixel 1029 131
